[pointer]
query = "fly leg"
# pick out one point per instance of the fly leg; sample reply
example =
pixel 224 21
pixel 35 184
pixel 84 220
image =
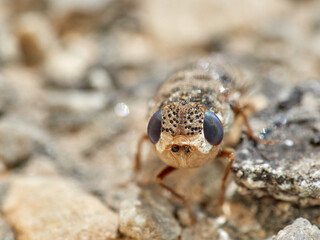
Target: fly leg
pixel 161 175
pixel 239 110
pixel 225 153
pixel 137 164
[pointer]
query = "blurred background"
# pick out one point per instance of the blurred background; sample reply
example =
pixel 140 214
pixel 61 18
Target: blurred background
pixel 76 78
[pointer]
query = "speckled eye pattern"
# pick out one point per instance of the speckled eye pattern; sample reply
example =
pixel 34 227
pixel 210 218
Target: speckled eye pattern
pixel 213 129
pixel 154 127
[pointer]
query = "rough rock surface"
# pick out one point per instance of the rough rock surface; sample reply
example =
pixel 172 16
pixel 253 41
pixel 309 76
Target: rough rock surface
pixel 18 140
pixel 209 229
pixel 6 232
pixel 289 169
pixel 54 208
pixel 7 94
pixel 300 229
pixel 145 217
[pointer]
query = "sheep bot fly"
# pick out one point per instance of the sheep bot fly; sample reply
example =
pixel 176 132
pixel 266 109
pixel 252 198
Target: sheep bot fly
pixel 195 118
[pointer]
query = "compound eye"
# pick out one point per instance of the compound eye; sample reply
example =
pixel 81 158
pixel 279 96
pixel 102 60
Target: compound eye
pixel 213 129
pixel 154 127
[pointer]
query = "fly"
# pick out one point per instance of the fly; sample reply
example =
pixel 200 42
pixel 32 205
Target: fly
pixel 194 120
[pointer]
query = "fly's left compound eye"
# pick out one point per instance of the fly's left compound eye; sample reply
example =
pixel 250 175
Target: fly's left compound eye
pixel 213 129
pixel 154 127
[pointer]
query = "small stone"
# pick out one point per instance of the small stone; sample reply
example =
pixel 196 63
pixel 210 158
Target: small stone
pixel 6 232
pixel 9 45
pixel 99 78
pixel 35 35
pixel 145 217
pixel 301 229
pixel 71 109
pixel 205 230
pixel 15 146
pixel 59 6
pixel 7 94
pixel 18 140
pixel 54 208
pixel 76 101
pixel 66 67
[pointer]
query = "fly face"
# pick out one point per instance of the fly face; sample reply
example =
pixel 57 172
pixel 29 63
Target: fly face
pixel 185 135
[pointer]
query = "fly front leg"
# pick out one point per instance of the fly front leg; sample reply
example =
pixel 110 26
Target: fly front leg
pixel 225 153
pixel 161 175
pixel 241 111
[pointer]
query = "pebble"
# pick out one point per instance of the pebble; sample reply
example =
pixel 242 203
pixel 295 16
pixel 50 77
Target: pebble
pixel 59 6
pixel 100 79
pixel 40 208
pixel 9 45
pixel 76 101
pixel 7 94
pixel 19 139
pixel 205 230
pixel 71 109
pixel 300 229
pixel 6 232
pixel 66 66
pixel 145 217
pixel 35 36
pixel 15 146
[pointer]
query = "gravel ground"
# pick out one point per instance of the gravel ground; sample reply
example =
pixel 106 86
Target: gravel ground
pixel 76 79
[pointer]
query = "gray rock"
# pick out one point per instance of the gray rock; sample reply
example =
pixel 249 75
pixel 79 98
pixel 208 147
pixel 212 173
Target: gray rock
pixel 289 169
pixel 301 229
pixel 145 217
pixel 73 5
pixel 76 101
pixel 9 47
pixel 71 109
pixel 7 95
pixel 100 79
pixel 6 232
pixel 18 140
pixel 66 67
pixel 15 146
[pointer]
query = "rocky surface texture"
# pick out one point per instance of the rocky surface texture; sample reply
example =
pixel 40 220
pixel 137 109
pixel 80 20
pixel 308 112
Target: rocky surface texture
pixel 290 169
pixel 38 207
pixel 76 78
pixel 299 229
pixel 147 218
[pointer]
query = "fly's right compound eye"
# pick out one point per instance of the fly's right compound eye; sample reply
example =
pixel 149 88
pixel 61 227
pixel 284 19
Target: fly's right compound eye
pixel 213 129
pixel 154 127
